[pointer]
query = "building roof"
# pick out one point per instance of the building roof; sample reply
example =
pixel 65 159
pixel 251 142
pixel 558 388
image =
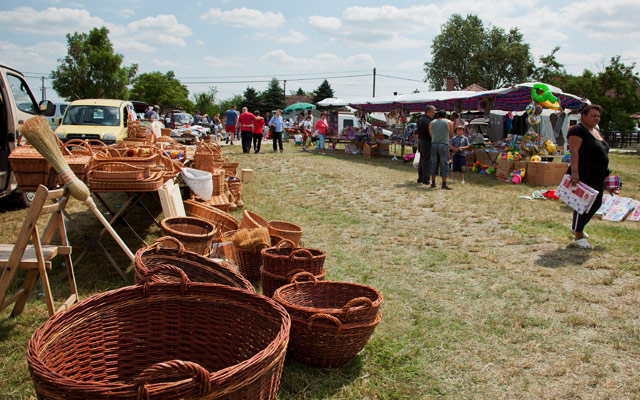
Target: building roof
pixel 474 87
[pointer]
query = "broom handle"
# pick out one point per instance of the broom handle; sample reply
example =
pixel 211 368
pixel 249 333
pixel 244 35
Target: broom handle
pixel 92 206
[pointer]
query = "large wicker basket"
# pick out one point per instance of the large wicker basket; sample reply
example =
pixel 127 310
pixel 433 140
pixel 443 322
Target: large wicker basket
pixel 30 168
pixel 349 302
pixel 197 267
pixel 282 259
pixel 162 341
pixel 195 233
pixel 287 230
pixel 223 221
pixel 253 220
pixel 271 282
pixel 324 341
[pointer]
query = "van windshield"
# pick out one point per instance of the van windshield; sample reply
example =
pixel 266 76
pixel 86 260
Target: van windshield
pixel 92 115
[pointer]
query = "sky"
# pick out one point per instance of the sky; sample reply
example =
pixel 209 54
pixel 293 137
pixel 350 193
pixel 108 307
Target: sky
pixel 231 45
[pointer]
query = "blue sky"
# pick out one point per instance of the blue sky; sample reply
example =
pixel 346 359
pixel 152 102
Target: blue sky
pixel 232 45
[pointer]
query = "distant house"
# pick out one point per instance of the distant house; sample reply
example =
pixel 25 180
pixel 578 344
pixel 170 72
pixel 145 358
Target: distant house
pixel 292 99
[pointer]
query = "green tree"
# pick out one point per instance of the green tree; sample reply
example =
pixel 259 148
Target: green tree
pixel 91 69
pixel 322 92
pixel 225 105
pixel 205 102
pixel 273 97
pixel 299 92
pixel 471 53
pixel 251 100
pixel 161 89
pixel 550 69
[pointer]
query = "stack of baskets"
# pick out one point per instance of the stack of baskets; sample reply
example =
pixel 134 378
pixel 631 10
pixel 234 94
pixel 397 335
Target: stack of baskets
pixel 196 234
pixel 330 321
pixel 285 230
pixel 223 221
pixel 30 168
pixel 281 262
pixel 162 340
pixel 197 267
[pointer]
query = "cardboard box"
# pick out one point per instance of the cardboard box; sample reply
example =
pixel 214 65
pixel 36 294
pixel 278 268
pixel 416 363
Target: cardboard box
pixel 503 169
pixel 487 157
pixel 545 173
pixel 369 152
pixel 471 157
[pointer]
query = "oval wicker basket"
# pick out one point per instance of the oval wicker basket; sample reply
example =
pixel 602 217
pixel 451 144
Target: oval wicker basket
pixel 198 268
pixel 162 340
pixel 223 221
pixel 349 302
pixel 271 282
pixel 253 220
pixel 195 233
pixel 282 259
pixel 324 341
pixel 287 230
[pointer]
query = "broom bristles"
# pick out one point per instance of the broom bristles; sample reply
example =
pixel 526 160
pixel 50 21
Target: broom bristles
pixel 42 138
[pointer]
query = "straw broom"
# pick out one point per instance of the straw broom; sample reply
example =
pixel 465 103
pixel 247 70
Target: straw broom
pixel 40 136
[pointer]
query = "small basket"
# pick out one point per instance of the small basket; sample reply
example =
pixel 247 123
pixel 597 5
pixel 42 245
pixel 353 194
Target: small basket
pixel 199 182
pixel 119 171
pixel 253 220
pixel 324 341
pixel 223 221
pixel 30 168
pixel 249 261
pixel 162 340
pixel 285 257
pixel 271 282
pixel 349 302
pixel 195 233
pixel 197 267
pixel 149 184
pixel 287 230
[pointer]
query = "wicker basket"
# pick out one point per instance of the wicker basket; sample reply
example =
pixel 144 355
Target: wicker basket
pixel 349 302
pixel 119 171
pixel 221 202
pixel 30 168
pixel 230 168
pixel 249 261
pixel 287 230
pixel 235 187
pixel 253 220
pixel 162 340
pixel 271 282
pixel 195 233
pixel 198 268
pixel 223 221
pixel 324 341
pixel 149 184
pixel 283 258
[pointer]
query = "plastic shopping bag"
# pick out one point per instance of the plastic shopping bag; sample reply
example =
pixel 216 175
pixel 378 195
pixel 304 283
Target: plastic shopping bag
pixel 416 159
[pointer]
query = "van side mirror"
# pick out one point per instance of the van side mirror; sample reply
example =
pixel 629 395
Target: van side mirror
pixel 46 107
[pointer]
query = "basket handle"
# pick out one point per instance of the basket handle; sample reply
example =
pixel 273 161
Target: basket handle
pixel 306 274
pixel 328 317
pixel 168 369
pixel 156 244
pixel 168 269
pixel 287 242
pixel 302 251
pixel 351 306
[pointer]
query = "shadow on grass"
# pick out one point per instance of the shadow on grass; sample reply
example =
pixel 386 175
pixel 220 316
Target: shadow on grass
pixel 316 383
pixel 563 257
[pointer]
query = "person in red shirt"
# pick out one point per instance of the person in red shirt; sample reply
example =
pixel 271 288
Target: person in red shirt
pixel 258 126
pixel 246 121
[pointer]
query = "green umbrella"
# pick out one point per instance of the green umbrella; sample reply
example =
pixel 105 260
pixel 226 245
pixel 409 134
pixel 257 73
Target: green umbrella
pixel 296 107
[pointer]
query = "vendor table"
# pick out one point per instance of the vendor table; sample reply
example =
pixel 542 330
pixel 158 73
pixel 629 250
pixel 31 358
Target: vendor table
pixel 92 242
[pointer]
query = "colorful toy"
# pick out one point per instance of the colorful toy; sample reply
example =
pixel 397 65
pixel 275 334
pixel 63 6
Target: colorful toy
pixel 491 170
pixel 541 94
pixel 534 119
pixel 517 176
pixel 536 159
pixel 549 147
pixel 566 157
pixel 530 110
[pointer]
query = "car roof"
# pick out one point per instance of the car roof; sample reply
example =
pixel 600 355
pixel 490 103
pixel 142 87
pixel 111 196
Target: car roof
pixel 99 102
pixel 12 69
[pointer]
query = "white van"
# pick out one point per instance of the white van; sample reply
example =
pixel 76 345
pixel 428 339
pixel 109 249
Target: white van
pixel 349 119
pixel 54 114
pixel 17 104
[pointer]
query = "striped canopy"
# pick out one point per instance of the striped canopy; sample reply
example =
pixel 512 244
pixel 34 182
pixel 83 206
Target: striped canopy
pixel 513 98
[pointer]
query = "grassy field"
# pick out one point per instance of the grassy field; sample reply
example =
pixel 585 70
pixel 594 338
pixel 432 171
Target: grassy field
pixel 484 297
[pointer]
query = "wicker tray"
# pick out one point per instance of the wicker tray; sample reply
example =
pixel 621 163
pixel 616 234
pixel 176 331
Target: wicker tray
pixel 119 171
pixel 253 220
pixel 349 302
pixel 270 282
pixel 283 258
pixel 324 341
pixel 150 184
pixel 197 267
pixel 162 340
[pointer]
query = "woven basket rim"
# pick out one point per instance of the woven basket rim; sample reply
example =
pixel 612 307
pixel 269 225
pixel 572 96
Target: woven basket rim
pixel 277 295
pixel 164 224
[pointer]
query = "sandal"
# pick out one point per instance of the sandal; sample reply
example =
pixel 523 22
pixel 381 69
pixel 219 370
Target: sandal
pixel 583 233
pixel 582 243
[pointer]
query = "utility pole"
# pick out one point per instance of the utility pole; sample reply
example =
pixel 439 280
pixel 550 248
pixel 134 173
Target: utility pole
pixel 44 93
pixel 374 82
pixel 285 88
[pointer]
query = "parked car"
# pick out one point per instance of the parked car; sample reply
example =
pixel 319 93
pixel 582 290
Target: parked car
pixel 177 119
pixel 101 119
pixel 54 114
pixel 349 119
pixel 17 104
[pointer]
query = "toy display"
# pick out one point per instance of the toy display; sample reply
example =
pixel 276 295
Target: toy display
pixel 517 176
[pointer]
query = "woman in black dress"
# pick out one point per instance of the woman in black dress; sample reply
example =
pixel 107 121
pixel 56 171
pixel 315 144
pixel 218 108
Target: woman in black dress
pixel 589 164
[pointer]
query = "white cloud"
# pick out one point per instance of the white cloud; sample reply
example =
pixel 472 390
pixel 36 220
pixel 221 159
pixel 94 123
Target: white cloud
pixel 226 62
pixel 160 30
pixel 50 21
pixel 605 20
pixel 245 18
pixel 199 42
pixel 291 38
pixel 126 13
pixel 25 59
pixel 168 65
pixel 319 62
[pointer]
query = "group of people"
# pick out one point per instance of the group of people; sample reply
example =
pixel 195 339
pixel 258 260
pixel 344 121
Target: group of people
pixel 437 136
pixel 252 128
